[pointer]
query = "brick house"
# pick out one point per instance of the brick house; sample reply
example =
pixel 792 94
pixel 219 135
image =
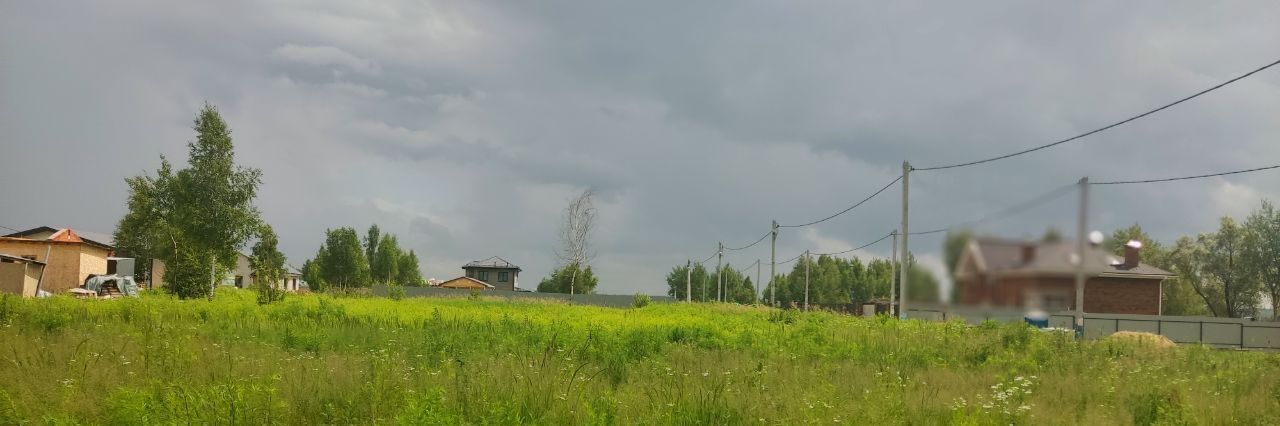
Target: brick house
pixel 1041 275
pixel 68 257
pixel 495 272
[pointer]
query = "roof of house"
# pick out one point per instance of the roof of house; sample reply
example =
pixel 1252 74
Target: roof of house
pixel 464 282
pixel 67 235
pixel 13 258
pixel 492 262
pixel 1001 256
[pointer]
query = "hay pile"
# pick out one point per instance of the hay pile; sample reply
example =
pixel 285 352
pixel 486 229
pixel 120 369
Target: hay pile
pixel 1142 339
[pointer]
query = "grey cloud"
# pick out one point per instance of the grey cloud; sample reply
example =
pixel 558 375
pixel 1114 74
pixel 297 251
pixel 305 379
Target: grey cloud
pixel 695 123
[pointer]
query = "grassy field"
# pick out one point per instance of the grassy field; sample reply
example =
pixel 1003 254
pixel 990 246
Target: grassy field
pixel 316 359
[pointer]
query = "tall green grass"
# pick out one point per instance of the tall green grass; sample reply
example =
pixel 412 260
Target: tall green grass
pixel 316 359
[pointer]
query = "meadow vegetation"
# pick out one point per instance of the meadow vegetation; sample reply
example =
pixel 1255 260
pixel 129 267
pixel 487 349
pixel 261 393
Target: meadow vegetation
pixel 475 360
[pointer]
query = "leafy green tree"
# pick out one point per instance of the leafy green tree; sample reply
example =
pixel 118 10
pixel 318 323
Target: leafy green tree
pixel 341 260
pixel 371 240
pixel 407 274
pixel 676 281
pixel 311 274
pixel 268 266
pixel 1052 235
pixel 1262 252
pixel 1228 284
pixel 386 259
pixel 737 287
pixel 583 281
pixel 197 218
pixel 144 233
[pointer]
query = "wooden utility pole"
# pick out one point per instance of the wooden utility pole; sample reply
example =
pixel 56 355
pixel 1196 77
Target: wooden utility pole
pixel 756 294
pixel 719 272
pixel 1080 253
pixel 906 174
pixel 893 278
pixel 688 281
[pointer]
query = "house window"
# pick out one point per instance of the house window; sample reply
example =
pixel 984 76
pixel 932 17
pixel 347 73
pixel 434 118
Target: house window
pixel 484 275
pixel 502 277
pixel 239 281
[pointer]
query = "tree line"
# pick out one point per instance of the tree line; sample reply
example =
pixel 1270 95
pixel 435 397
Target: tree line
pixel 1229 272
pixel 831 280
pixel 343 262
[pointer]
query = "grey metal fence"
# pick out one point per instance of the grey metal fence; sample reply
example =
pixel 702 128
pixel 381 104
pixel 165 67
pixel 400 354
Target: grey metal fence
pixel 611 300
pixel 1212 331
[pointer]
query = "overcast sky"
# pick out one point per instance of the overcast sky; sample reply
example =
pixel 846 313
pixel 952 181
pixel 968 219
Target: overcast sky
pixel 464 127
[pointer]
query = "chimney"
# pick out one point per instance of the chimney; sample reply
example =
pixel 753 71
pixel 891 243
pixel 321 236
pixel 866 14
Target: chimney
pixel 1132 254
pixel 1028 253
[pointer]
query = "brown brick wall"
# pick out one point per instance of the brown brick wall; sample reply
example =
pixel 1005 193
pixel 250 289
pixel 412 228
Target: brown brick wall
pixel 1110 295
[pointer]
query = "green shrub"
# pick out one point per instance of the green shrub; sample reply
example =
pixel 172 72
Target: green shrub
pixel 641 300
pixel 395 291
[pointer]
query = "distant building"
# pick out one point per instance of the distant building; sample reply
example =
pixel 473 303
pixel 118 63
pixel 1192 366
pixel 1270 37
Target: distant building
pixel 466 283
pixel 240 277
pixel 1041 275
pixel 494 271
pixel 69 258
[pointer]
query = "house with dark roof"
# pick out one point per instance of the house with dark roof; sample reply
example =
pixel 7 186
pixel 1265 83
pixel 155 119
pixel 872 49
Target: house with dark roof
pixel 1004 273
pixel 495 271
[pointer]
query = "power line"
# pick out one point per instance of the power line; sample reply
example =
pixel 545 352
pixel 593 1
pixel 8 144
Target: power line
pixel 856 249
pixel 1007 211
pixel 743 270
pixel 790 260
pixel 873 195
pixel 713 256
pixel 762 237
pixel 1107 127
pixel 11 229
pixel 1125 182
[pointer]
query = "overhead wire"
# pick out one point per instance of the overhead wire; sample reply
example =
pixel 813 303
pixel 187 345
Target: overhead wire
pixel 864 200
pixel 1126 182
pixel 1104 128
pixel 857 248
pixel 762 237
pixel 1007 211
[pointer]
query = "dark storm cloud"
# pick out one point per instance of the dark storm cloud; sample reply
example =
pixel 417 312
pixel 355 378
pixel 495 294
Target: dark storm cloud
pixel 465 126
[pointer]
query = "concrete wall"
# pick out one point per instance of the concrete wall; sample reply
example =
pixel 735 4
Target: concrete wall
pixel 1213 331
pixel 19 278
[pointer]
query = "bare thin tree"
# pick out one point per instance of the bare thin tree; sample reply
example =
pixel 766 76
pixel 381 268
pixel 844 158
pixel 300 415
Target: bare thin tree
pixel 575 234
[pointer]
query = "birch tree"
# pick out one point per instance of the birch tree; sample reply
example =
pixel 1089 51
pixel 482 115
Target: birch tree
pixel 575 235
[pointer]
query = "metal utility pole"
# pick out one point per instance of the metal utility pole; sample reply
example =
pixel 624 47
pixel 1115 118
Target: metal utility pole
pixel 806 280
pixel 719 273
pixel 906 174
pixel 893 275
pixel 1080 254
pixel 688 281
pixel 756 294
pixel 773 262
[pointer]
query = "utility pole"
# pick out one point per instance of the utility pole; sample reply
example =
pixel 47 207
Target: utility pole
pixel 688 281
pixel 704 283
pixel 893 278
pixel 806 280
pixel 719 273
pixel 773 263
pixel 1080 255
pixel 906 174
